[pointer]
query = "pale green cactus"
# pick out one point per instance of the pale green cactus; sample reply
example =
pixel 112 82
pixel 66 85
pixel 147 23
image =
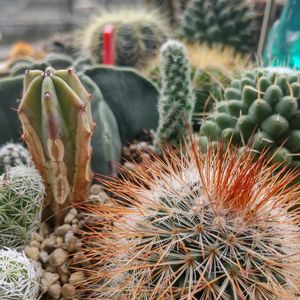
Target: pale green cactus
pixel 21 202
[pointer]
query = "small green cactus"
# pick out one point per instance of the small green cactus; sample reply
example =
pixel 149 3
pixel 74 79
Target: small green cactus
pixel 13 154
pixel 139 33
pixel 227 22
pixel 21 201
pixel 177 100
pixel 55 112
pixel 261 110
pixel 18 277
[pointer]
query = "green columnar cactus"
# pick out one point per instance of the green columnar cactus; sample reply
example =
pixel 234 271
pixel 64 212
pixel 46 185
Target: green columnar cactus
pixel 139 34
pixel 215 226
pixel 13 154
pixel 18 277
pixel 21 201
pixel 228 22
pixel 177 100
pixel 55 112
pixel 261 110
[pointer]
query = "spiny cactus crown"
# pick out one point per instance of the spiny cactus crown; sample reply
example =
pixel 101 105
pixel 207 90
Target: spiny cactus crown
pixel 18 277
pixel 261 110
pixel 21 201
pixel 139 34
pixel 203 227
pixel 13 154
pixel 177 100
pixel 227 22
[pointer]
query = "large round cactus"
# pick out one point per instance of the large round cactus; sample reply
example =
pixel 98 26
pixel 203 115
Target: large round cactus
pixel 228 22
pixel 139 34
pixel 197 227
pixel 261 110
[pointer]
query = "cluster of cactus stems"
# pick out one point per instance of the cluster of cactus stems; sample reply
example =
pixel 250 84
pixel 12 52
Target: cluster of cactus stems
pixel 214 226
pixel 18 277
pixel 177 100
pixel 55 112
pixel 21 201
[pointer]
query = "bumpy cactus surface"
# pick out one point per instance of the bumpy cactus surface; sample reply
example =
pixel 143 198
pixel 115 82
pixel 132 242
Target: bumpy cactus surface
pixel 261 110
pixel 21 200
pixel 55 112
pixel 212 227
pixel 228 22
pixel 177 100
pixel 13 154
pixel 18 277
pixel 139 34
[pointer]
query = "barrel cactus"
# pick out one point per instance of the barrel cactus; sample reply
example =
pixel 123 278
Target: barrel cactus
pixel 21 200
pixel 55 112
pixel 13 154
pixel 213 226
pixel 18 277
pixel 261 110
pixel 228 22
pixel 139 33
pixel 177 100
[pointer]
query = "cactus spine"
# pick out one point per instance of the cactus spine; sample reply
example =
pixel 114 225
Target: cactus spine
pixel 177 100
pixel 204 227
pixel 21 201
pixel 18 277
pixel 13 154
pixel 55 112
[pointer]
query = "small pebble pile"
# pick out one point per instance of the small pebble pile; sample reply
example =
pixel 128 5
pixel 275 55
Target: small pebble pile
pixel 53 249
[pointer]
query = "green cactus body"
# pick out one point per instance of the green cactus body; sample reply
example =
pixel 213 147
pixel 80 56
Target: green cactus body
pixel 18 277
pixel 131 98
pixel 264 114
pixel 55 112
pixel 214 226
pixel 177 100
pixel 12 155
pixel 227 22
pixel 138 36
pixel 21 201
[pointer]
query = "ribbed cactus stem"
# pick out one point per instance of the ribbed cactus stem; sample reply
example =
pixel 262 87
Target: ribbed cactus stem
pixel 177 100
pixel 57 123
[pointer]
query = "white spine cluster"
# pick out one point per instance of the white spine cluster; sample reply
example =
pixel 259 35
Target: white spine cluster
pixel 18 278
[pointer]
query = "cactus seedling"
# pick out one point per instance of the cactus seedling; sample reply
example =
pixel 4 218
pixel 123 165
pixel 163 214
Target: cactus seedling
pixel 55 112
pixel 18 277
pixel 214 226
pixel 13 154
pixel 177 100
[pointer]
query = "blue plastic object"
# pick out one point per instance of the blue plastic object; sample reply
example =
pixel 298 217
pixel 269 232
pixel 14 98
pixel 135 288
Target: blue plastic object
pixel 283 45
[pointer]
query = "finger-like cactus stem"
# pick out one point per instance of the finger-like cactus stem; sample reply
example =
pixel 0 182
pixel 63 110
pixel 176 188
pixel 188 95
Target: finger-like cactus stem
pixel 57 123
